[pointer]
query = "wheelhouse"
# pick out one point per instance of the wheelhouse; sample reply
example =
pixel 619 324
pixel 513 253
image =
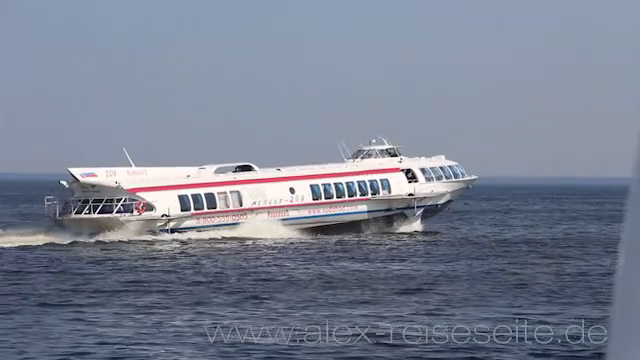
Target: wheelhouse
pixel 375 151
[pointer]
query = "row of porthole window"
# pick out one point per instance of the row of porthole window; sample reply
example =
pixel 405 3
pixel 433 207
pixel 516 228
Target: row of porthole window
pixel 210 201
pixel 441 173
pixel 350 189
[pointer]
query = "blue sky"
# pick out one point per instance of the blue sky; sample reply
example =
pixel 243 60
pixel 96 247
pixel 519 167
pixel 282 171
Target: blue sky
pixel 538 88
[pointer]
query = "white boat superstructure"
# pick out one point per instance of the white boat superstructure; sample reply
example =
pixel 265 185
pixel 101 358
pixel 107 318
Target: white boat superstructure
pixel 376 182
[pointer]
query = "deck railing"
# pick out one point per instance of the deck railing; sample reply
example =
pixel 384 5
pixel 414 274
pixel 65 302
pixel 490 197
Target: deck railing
pixel 57 207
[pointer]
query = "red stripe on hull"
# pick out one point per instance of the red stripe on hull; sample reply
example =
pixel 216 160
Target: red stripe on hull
pixel 212 212
pixel 259 181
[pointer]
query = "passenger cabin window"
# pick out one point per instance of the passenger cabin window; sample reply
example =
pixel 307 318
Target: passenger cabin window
pixel 454 171
pixel 236 199
pixel 198 204
pixel 386 186
pixel 339 190
pixel 127 206
pixel 363 190
pixel 185 203
pixel 95 205
pixel 120 204
pixel 119 209
pixel 150 207
pixel 447 174
pixel 327 190
pixel 462 171
pixel 411 176
pixel 210 199
pixel 243 168
pixel 375 187
pixel 316 194
pixel 223 200
pixel 351 189
pixel 437 173
pixel 428 175
pixel 107 207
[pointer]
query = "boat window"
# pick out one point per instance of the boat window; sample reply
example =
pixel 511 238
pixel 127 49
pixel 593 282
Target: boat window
pixel 454 171
pixel 119 209
pixel 315 192
pixel 327 190
pixel 150 207
pixel 223 200
pixel 339 190
pixel 351 189
pixel 358 154
pixel 127 206
pixel 185 203
pixel 95 205
pixel 363 190
pixel 236 199
pixel 428 175
pixel 243 168
pixel 107 207
pixel 82 206
pixel 375 187
pixel 392 152
pixel 198 204
pixel 210 198
pixel 462 171
pixel 437 173
pixel 411 175
pixel 447 174
pixel 386 186
pixel 365 155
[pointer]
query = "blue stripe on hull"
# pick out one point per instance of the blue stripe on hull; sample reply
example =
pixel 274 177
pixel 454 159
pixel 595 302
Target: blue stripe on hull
pixel 431 210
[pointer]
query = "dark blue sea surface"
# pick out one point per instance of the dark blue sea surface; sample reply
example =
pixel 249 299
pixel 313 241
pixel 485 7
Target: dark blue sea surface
pixel 507 272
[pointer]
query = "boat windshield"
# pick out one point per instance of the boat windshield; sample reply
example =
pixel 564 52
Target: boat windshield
pixel 389 152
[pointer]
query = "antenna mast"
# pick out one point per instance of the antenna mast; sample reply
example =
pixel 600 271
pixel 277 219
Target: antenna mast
pixel 341 152
pixel 345 148
pixel 128 157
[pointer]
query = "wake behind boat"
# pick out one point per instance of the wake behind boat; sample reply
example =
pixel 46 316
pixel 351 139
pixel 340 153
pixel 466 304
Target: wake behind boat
pixel 376 183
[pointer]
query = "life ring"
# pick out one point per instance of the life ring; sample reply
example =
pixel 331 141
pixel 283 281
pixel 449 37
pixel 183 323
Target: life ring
pixel 141 207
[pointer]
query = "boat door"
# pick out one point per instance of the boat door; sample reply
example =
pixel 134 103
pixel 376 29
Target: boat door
pixel 412 179
pixel 411 175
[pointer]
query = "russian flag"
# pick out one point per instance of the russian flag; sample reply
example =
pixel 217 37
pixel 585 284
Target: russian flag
pixel 89 175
